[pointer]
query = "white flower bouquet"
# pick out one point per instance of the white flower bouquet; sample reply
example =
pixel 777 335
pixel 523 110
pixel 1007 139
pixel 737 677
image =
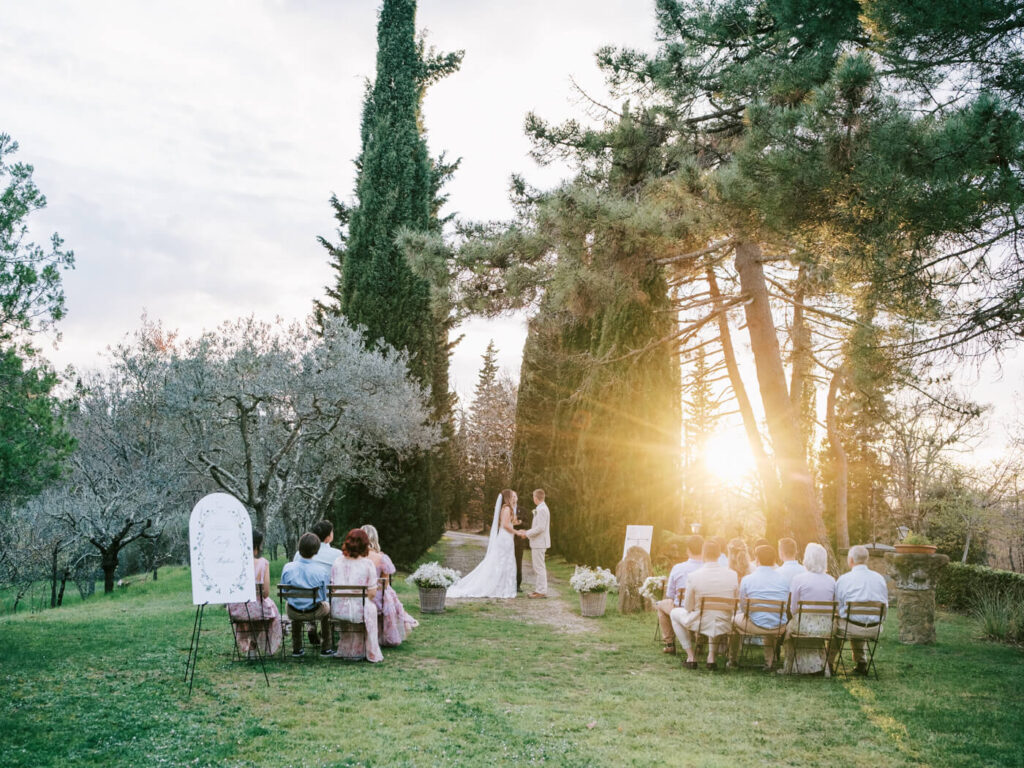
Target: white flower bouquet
pixel 653 588
pixel 587 579
pixel 433 575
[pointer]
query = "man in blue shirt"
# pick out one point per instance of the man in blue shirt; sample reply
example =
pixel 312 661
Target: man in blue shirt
pixel 305 572
pixel 790 565
pixel 676 581
pixel 765 583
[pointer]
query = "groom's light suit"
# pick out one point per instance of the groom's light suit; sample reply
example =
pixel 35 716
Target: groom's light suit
pixel 540 539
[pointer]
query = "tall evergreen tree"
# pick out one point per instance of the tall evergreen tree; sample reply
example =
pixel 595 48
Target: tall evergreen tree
pixel 397 192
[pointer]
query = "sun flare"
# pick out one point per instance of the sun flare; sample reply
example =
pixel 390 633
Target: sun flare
pixel 727 457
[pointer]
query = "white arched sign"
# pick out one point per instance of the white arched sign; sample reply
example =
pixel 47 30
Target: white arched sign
pixel 220 544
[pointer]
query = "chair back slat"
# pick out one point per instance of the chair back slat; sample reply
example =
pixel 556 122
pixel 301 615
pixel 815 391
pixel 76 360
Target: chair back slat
pixel 680 595
pixel 337 591
pixel 713 603
pixel 758 605
pixel 866 609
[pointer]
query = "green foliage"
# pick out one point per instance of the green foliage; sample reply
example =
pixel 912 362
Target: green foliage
pixel 35 439
pixel 916 538
pixel 398 192
pixel 1001 615
pixel 960 585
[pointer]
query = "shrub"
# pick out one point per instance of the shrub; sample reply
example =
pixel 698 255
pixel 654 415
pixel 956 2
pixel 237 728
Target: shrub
pixel 1001 615
pixel 961 585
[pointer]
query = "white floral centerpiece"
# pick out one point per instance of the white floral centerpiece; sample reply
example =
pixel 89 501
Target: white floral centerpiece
pixel 433 580
pixel 653 588
pixel 433 575
pixel 587 579
pixel 593 584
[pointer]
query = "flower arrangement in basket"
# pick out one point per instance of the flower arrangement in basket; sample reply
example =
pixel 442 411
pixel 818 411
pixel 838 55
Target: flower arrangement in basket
pixel 593 584
pixel 433 580
pixel 653 588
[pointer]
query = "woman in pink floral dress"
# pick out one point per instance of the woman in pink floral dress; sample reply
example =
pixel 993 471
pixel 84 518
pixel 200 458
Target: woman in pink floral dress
pixel 397 623
pixel 263 630
pixel 354 568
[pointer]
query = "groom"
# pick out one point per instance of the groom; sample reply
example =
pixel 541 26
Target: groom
pixel 540 539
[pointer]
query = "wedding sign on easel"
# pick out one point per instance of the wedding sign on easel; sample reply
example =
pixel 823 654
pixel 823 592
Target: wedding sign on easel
pixel 638 536
pixel 220 553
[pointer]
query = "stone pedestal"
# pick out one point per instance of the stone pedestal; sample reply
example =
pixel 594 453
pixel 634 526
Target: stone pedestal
pixel 915 577
pixel 631 572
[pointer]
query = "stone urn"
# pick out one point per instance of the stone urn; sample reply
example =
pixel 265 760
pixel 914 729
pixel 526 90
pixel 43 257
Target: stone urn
pixel 915 576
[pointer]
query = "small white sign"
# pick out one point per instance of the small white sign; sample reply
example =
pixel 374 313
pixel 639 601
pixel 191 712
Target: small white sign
pixel 220 544
pixel 638 536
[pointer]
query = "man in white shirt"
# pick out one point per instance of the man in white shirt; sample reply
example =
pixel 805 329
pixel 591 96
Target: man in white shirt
pixel 676 581
pixel 859 584
pixel 539 536
pixel 790 566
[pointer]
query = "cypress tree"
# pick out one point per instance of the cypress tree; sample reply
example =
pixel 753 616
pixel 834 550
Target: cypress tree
pixel 397 192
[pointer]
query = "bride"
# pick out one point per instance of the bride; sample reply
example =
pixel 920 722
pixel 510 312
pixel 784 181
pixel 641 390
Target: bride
pixel 496 574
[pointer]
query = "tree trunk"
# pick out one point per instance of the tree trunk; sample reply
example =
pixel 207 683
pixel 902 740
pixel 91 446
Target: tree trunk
pixel 804 512
pixel 967 545
pixel 108 562
pixel 774 510
pixel 841 466
pixel 63 583
pixel 53 577
pixel 800 377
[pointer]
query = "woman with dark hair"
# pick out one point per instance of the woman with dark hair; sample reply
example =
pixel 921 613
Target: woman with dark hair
pixel 397 623
pixel 257 623
pixel 355 569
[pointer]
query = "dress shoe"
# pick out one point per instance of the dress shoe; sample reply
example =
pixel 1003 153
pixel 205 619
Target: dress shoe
pixel 690 664
pixel 861 669
pixel 536 595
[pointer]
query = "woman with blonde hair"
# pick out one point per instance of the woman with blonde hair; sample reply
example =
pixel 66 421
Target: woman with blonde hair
pixel 739 558
pixel 396 622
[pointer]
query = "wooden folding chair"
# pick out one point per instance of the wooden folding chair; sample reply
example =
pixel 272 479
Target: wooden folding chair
pixel 346 627
pixel 776 608
pixel 680 596
pixel 250 624
pixel 286 591
pixel 712 604
pixel 869 615
pixel 814 627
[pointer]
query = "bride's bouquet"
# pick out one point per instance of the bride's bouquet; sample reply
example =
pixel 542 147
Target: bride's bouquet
pixel 587 579
pixel 653 588
pixel 433 575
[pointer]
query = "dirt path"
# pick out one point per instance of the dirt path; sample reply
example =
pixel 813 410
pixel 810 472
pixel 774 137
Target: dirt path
pixel 464 551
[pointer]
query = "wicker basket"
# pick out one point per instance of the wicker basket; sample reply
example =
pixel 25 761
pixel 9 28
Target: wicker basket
pixel 593 603
pixel 432 599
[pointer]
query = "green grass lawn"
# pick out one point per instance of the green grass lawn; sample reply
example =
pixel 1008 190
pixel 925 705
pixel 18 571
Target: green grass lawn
pixel 99 683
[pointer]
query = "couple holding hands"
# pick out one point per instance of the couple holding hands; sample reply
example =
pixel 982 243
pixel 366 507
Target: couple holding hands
pixel 496 574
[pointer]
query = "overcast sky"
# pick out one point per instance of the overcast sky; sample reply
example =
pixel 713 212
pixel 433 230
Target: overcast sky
pixel 188 149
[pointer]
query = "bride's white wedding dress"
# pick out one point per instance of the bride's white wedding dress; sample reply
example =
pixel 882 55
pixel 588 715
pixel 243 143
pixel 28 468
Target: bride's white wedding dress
pixel 496 574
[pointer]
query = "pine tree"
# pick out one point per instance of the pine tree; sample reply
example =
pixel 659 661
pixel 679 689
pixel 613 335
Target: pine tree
pixel 490 438
pixel 397 191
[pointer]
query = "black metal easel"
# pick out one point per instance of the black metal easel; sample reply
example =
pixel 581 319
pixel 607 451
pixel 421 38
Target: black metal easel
pixel 193 648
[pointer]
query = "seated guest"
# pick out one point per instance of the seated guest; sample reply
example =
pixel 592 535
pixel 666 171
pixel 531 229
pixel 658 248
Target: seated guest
pixel 859 584
pixel 258 634
pixel 765 583
pixel 325 554
pixel 710 580
pixel 308 574
pixel 739 558
pixel 787 553
pixel 676 581
pixel 763 543
pixel 397 623
pixel 355 569
pixel 723 548
pixel 814 585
